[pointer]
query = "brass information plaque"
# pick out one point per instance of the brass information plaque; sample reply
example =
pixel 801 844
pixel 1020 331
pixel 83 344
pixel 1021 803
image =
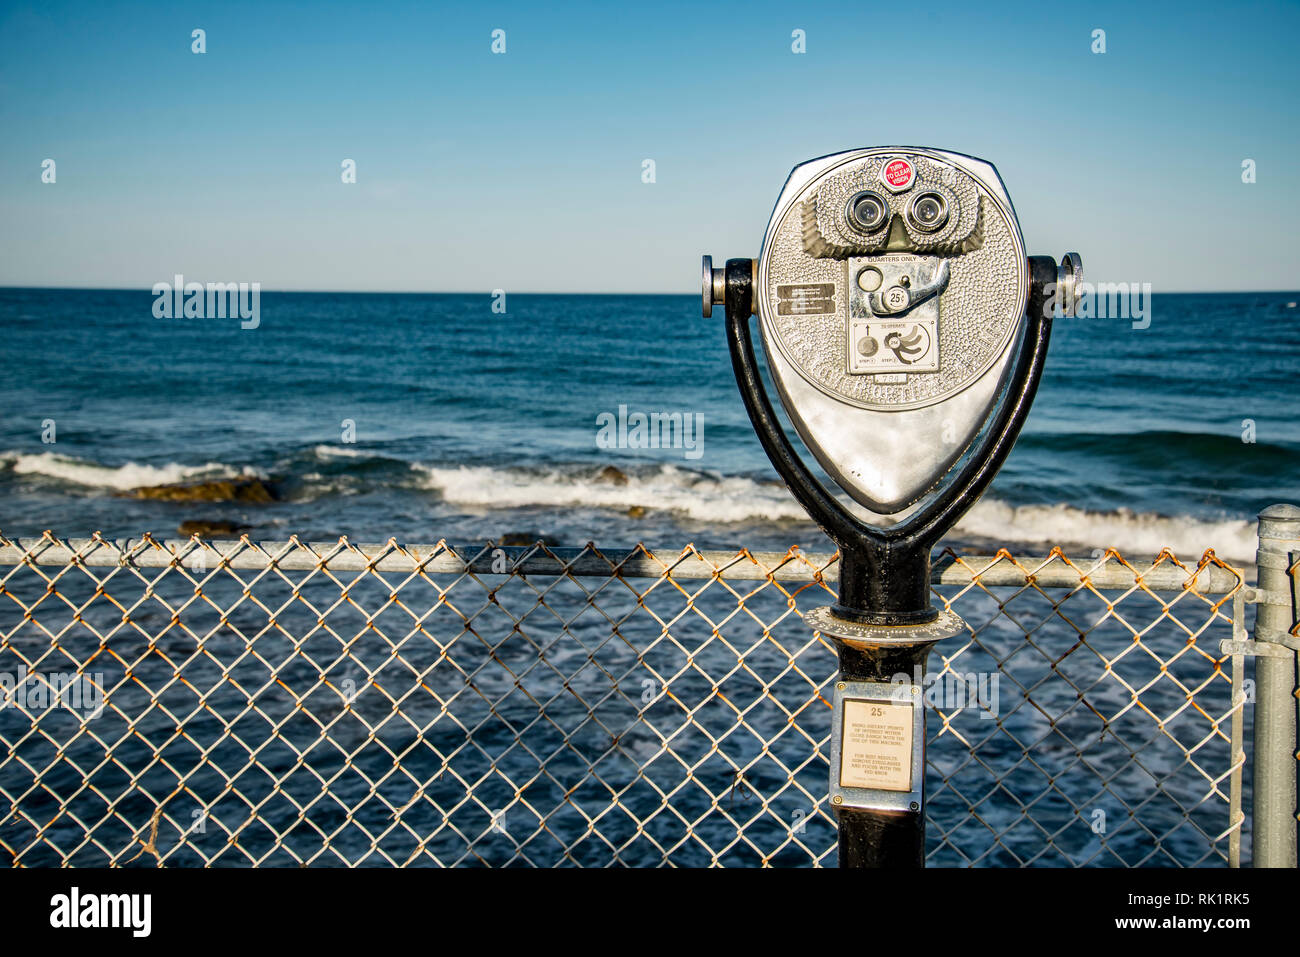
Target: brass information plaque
pixel 876 749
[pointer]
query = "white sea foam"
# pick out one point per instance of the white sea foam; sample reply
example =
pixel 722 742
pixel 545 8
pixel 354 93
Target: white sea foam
pixel 732 499
pixel 700 497
pixel 118 477
pixel 1132 533
pixel 340 452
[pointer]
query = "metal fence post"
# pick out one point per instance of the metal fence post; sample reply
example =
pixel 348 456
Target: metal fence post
pixel 1275 690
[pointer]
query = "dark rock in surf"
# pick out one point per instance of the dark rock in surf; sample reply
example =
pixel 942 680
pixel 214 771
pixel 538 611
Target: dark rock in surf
pixel 525 539
pixel 213 529
pixel 248 490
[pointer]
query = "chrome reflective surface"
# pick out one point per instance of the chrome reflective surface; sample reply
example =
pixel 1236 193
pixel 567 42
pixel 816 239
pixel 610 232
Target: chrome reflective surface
pixel 890 349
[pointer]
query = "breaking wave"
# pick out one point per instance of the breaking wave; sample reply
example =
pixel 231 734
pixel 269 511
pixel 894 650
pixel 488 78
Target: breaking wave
pixel 721 500
pixel 704 498
pixel 1132 533
pixel 701 497
pixel 121 478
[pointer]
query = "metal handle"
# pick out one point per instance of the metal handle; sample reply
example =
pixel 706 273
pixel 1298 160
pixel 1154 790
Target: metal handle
pixel 1069 275
pixel 713 286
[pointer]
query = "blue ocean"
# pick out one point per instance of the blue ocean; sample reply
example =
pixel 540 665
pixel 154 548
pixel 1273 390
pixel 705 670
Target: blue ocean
pixel 432 417
pixel 423 417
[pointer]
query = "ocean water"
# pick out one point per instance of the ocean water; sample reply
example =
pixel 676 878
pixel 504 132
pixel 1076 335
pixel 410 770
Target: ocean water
pixel 467 423
pixel 471 424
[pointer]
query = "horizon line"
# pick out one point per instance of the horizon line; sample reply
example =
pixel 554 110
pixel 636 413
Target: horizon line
pixel 527 292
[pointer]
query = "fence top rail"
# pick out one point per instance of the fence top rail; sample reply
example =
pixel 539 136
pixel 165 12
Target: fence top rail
pixel 1104 570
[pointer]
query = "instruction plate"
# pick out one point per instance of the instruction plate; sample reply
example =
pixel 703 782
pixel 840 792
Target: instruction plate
pixel 877 746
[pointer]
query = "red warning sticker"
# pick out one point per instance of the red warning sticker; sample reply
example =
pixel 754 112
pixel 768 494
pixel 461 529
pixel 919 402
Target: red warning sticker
pixel 898 174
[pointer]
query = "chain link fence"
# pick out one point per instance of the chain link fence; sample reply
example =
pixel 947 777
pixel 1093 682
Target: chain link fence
pixel 292 704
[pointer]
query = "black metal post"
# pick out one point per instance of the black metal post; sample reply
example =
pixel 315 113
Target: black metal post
pixel 872 838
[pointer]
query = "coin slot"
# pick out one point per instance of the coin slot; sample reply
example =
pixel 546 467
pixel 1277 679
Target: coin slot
pixel 869 279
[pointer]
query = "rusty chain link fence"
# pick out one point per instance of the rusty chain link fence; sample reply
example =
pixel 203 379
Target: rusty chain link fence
pixel 290 704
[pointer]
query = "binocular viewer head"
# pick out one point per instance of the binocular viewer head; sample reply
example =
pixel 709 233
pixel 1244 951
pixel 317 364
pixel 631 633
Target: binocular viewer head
pixel 892 289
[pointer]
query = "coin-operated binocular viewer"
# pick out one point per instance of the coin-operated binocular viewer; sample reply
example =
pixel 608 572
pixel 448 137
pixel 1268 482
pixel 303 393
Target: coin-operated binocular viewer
pixel 905 331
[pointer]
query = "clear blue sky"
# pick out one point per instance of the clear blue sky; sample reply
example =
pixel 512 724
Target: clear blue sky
pixel 523 171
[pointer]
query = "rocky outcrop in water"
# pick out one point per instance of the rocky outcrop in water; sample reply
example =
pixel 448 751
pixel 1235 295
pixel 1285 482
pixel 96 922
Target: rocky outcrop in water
pixel 525 538
pixel 611 476
pixel 212 529
pixel 248 490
